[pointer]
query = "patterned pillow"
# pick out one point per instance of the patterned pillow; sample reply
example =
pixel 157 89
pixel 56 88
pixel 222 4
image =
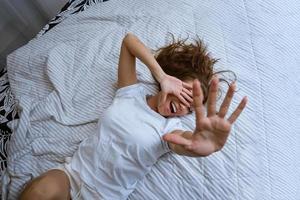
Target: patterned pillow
pixel 72 7
pixel 8 112
pixel 8 109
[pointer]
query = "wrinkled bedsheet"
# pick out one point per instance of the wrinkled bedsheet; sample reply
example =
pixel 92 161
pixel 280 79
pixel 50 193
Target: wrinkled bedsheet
pixel 64 80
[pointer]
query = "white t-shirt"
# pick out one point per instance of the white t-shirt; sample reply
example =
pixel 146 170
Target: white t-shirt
pixel 127 144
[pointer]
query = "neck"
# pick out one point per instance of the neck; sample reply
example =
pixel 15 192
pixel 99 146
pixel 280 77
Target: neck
pixel 152 102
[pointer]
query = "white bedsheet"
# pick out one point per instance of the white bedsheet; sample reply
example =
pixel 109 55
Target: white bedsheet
pixel 65 79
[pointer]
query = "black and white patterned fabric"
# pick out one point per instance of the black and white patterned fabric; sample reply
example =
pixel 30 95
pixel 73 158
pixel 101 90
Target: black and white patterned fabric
pixel 8 112
pixel 8 105
pixel 72 7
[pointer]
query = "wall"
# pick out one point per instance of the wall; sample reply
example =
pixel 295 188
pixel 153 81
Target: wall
pixel 21 20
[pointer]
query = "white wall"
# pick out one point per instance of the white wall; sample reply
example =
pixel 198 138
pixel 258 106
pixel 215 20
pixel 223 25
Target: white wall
pixel 21 20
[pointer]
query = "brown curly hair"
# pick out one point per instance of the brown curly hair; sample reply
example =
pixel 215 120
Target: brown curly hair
pixel 188 61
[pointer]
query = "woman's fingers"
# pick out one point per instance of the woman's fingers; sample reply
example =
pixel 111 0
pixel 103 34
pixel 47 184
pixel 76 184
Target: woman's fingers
pixel 197 100
pixel 188 92
pixel 187 97
pixel 238 110
pixel 186 85
pixel 212 97
pixel 226 103
pixel 183 100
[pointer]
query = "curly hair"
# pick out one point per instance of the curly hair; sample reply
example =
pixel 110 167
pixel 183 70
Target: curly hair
pixel 188 61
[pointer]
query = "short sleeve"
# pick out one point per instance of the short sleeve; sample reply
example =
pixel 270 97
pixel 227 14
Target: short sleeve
pixel 172 125
pixel 129 91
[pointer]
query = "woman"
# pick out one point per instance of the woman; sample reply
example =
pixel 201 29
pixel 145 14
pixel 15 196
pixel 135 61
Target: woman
pixel 138 129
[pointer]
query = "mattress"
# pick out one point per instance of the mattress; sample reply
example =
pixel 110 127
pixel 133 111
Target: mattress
pixel 64 80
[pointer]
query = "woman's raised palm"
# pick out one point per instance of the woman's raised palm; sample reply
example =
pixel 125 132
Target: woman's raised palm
pixel 212 130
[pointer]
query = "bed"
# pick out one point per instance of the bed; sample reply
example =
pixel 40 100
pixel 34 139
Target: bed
pixel 65 79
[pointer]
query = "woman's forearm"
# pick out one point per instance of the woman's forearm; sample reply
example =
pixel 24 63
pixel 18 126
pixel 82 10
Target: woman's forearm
pixel 140 51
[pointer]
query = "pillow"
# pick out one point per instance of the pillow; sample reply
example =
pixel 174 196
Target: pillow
pixel 8 112
pixel 70 8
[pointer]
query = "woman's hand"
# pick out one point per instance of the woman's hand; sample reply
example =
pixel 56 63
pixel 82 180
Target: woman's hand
pixel 211 131
pixel 172 85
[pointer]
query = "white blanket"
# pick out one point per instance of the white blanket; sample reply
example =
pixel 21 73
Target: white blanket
pixel 65 79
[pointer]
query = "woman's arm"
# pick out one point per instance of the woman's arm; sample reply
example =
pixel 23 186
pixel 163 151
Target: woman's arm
pixel 133 48
pixel 211 131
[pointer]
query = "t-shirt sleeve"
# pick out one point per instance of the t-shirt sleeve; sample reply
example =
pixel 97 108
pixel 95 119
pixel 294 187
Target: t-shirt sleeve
pixel 129 91
pixel 174 125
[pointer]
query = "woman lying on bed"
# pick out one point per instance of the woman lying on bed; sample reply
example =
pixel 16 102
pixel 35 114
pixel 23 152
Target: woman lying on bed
pixel 137 129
